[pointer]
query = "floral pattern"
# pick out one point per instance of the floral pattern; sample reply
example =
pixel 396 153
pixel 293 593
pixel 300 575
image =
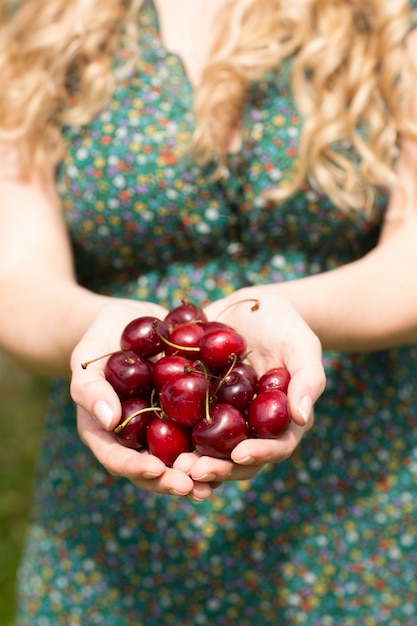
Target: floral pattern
pixel 324 539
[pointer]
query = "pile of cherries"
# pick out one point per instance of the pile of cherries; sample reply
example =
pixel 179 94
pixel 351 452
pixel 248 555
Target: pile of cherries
pixel 184 385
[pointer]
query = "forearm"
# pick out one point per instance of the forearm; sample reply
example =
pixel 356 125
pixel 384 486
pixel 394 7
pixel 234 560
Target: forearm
pixel 44 317
pixel 370 304
pixel 44 313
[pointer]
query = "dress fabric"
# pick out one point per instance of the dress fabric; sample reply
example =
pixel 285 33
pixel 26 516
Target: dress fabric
pixel 326 538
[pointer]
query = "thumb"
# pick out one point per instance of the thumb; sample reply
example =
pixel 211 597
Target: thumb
pixel 90 390
pixel 306 386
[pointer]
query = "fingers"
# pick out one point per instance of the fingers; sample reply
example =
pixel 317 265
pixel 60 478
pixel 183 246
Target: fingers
pixel 144 470
pixel 116 459
pixel 308 380
pixel 247 458
pixel 261 451
pixel 193 475
pixel 90 390
pixel 211 470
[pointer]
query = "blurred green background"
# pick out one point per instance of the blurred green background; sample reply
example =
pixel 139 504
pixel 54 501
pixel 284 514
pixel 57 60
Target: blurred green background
pixel 22 399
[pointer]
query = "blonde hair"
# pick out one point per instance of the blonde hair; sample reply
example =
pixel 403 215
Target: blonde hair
pixel 351 78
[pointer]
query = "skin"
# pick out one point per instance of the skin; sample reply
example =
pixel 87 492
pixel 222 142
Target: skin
pixel 53 325
pixel 177 20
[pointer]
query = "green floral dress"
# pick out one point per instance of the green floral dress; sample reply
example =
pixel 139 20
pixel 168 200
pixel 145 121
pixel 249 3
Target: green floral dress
pixel 327 538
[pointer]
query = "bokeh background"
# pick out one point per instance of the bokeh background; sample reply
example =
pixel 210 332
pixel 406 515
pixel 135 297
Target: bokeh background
pixel 22 400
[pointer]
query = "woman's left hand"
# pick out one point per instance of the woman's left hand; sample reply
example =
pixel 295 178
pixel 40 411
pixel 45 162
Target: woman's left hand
pixel 247 458
pixel 276 336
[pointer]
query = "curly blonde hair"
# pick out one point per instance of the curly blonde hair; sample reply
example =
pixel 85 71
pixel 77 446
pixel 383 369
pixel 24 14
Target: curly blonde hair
pixel 351 78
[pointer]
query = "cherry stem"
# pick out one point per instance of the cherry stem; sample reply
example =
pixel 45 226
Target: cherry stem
pixel 204 371
pixel 125 422
pixel 152 399
pixel 193 320
pixel 170 343
pixel 196 368
pixel 233 357
pixel 103 356
pixel 254 307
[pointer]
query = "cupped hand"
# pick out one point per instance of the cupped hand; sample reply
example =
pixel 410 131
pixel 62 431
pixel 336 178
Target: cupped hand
pixel 144 470
pixel 99 409
pixel 277 336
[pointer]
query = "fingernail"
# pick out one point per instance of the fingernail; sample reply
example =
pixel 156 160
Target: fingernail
pixel 103 413
pixel 206 478
pixel 194 499
pixel 305 406
pixel 247 460
pixel 175 492
pixel 149 475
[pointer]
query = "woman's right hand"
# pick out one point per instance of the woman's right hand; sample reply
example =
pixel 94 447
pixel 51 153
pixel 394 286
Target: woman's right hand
pixel 99 409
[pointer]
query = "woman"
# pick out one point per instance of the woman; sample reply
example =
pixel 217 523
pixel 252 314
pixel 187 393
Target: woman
pixel 217 151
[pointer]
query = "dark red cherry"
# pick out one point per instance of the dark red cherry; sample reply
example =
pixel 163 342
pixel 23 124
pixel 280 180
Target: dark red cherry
pixel 218 347
pixel 269 414
pixel 217 437
pixel 167 366
pixel 183 398
pixel 184 340
pixel 235 389
pixel 214 325
pixel 135 419
pixel 167 440
pixel 275 378
pixel 183 313
pixel 129 374
pixel 246 370
pixel 143 336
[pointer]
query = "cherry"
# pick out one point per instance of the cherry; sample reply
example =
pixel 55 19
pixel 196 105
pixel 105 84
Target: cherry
pixel 217 434
pixel 235 389
pixel 135 419
pixel 129 374
pixel 213 325
pixel 183 313
pixel 203 392
pixel 141 336
pixel 269 414
pixel 168 366
pixel 183 398
pixel 184 339
pixel 246 370
pixel 218 347
pixel 275 378
pixel 167 440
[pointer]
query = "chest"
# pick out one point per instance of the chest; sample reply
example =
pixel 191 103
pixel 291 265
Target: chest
pixel 130 187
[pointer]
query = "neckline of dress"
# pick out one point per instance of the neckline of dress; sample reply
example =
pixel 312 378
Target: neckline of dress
pixel 232 159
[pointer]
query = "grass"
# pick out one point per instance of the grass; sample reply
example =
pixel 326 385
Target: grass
pixel 22 398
